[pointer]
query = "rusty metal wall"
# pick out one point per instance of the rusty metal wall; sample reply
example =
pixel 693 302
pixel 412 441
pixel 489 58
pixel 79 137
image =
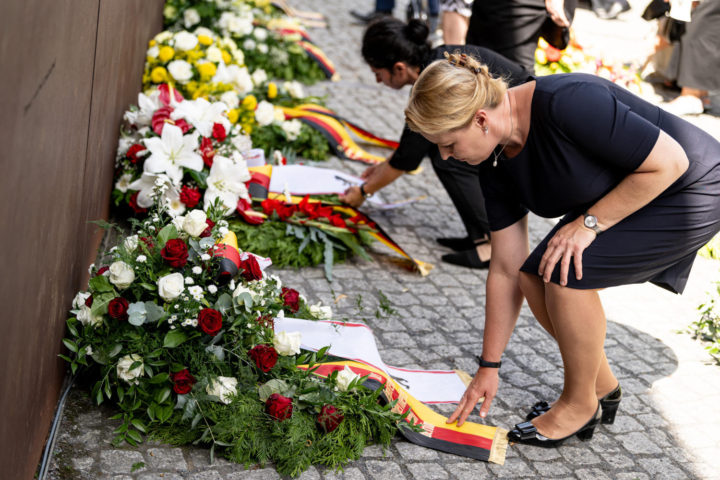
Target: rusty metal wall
pixel 69 70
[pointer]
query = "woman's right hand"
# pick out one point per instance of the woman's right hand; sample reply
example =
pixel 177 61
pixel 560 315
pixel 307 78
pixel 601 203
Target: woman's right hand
pixel 352 196
pixel 484 386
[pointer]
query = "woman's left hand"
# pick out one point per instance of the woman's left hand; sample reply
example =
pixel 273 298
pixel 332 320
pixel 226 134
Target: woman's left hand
pixel 352 196
pixel 567 244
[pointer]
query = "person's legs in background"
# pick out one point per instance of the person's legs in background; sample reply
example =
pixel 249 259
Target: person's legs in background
pixel 382 7
pixel 455 20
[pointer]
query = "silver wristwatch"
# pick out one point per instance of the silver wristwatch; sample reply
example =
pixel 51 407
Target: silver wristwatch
pixel 591 222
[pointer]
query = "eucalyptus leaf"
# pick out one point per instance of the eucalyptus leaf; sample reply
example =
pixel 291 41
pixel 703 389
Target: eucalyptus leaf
pixel 217 351
pixel 154 312
pixel 328 256
pixel 206 243
pixel 271 386
pixel 224 303
pixel 137 313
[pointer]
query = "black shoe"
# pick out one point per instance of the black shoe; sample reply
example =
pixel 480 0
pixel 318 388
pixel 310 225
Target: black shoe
pixel 527 433
pixel 460 243
pixel 609 404
pixel 466 258
pixel 368 17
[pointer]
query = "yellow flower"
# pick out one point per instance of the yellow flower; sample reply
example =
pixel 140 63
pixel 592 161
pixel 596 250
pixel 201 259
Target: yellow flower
pixel 152 43
pixel 166 54
pixel 233 115
pixel 191 87
pixel 227 58
pixel 272 90
pixel 194 55
pixel 206 70
pixel 205 40
pixel 247 127
pixel 249 102
pixel 158 75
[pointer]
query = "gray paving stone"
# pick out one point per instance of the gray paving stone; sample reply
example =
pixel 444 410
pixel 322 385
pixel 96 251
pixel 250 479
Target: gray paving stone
pixel 259 474
pixel 427 471
pixel 83 463
pixel 120 461
pixel 636 442
pixel 160 476
pixel 166 459
pixel 205 475
pixel 375 451
pixel 513 468
pixel 383 470
pixel 550 470
pixel 351 473
pixel 467 470
pixel 663 468
pixel 410 451
pixel 591 474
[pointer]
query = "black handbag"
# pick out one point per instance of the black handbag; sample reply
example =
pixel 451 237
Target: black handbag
pixel 655 9
pixel 554 34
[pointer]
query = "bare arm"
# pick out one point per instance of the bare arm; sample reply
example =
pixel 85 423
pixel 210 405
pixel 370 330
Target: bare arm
pixel 556 10
pixel 376 178
pixel 504 299
pixel 662 167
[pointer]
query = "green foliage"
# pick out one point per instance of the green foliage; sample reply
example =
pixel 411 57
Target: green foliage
pixel 712 248
pixel 707 328
pixel 310 144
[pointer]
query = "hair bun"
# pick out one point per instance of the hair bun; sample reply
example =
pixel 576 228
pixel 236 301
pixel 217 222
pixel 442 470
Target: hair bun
pixel 416 31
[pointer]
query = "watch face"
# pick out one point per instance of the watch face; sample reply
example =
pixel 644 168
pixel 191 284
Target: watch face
pixel 590 221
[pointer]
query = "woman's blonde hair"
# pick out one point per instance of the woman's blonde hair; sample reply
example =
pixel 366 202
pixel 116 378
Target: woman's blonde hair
pixel 447 94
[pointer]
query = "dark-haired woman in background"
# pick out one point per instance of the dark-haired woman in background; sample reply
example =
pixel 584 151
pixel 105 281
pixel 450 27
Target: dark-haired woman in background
pixel 397 53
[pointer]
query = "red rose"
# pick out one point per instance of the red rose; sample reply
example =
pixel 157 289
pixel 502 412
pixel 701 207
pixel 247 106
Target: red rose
pixel 190 196
pixel 279 407
pixel 329 418
pixel 133 204
pixel 117 308
pixel 291 299
pixel 175 253
pixel 264 356
pixel 251 268
pixel 133 152
pixel 102 270
pixel 207 151
pixel 183 381
pixel 148 241
pixel 89 301
pixel 218 132
pixel 266 321
pixel 210 321
pixel 208 231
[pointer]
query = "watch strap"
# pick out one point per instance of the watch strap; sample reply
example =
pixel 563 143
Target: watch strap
pixel 484 363
pixel 363 192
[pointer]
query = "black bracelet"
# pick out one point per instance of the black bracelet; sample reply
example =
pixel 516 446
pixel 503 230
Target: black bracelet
pixel 364 193
pixel 486 364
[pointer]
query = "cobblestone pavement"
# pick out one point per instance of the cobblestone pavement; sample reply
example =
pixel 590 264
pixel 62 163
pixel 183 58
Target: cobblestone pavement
pixel 668 425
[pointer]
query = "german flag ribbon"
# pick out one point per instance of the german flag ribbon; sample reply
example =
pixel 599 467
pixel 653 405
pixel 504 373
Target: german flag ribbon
pixel 337 132
pixel 473 440
pixel 325 64
pixel 259 181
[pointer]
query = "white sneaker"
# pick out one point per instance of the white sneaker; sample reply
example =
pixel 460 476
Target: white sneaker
pixel 685 105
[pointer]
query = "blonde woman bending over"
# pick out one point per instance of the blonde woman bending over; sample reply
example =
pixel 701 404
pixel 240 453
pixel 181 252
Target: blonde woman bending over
pixel 638 190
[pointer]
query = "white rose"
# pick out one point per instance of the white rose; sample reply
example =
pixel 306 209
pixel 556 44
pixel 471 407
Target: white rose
pixel 242 143
pixel 344 378
pixel 279 115
pixel 214 54
pixel 171 286
pixel 123 182
pixel 123 368
pixel 153 51
pixel 86 317
pixel 320 311
pixel 249 44
pixel 121 274
pixel 295 89
pixel 204 31
pixel 223 388
pixel 163 36
pixel 259 76
pixel 185 41
pixel 262 48
pixel 180 70
pixel 131 243
pixel 292 128
pixel 230 99
pixel 195 222
pixel 265 113
pixel 287 343
pixel 191 17
pixel 240 77
pixel 260 34
pixel 79 300
pixel 232 23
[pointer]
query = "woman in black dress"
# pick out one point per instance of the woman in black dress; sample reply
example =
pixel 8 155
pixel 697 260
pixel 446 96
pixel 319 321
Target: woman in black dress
pixel 397 53
pixel 639 191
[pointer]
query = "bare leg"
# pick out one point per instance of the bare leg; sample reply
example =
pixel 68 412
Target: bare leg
pixel 578 320
pixel 454 27
pixel 484 250
pixel 533 288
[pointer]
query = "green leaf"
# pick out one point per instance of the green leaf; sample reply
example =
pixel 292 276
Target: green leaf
pixel 154 312
pixel 174 338
pixel 100 284
pixel 139 425
pixel 328 256
pixel 137 465
pixel 135 435
pixel 148 286
pixel 160 378
pixel 223 304
pixel 100 303
pixel 162 395
pixel 167 233
pixel 70 345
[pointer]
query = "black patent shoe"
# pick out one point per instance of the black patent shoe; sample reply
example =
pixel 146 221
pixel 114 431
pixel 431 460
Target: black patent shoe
pixel 609 404
pixel 527 433
pixel 460 243
pixel 466 258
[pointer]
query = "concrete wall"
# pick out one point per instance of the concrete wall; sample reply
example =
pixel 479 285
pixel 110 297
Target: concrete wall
pixel 69 70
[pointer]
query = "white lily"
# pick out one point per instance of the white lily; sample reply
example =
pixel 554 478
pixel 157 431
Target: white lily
pixel 146 185
pixel 202 115
pixel 234 75
pixel 147 105
pixel 171 152
pixel 226 182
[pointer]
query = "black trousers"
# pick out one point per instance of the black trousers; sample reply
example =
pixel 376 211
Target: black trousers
pixel 462 183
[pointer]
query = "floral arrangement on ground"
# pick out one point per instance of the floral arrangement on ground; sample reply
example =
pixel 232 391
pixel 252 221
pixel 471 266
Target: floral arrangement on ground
pixel 178 332
pixel 195 150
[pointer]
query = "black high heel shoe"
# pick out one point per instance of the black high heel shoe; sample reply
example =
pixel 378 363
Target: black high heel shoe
pixel 609 404
pixel 527 433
